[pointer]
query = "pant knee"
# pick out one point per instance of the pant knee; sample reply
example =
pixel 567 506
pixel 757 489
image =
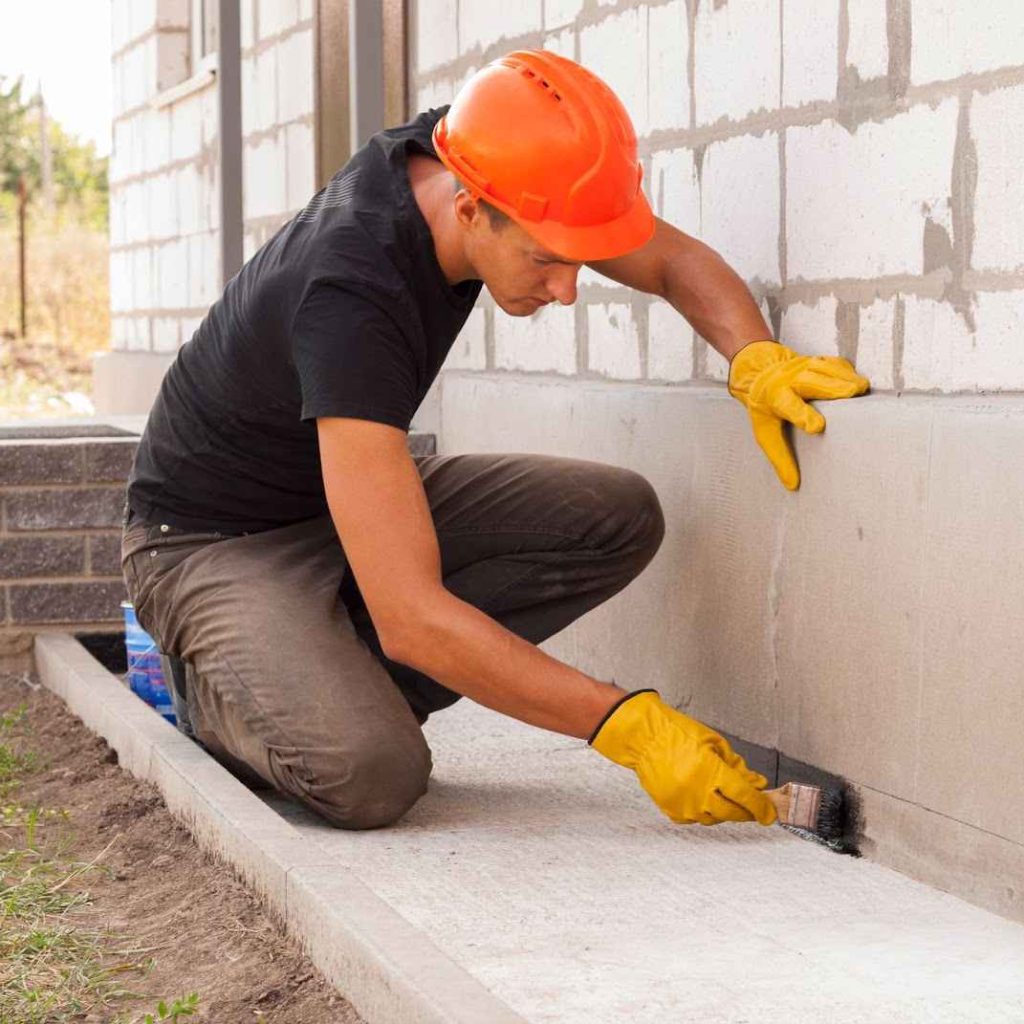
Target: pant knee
pixel 369 788
pixel 650 518
pixel 635 516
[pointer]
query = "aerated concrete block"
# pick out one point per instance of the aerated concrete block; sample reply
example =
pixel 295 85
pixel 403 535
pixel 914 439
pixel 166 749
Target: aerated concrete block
pixel 615 49
pixel 941 351
pixel 481 25
pixel 868 46
pixel 740 204
pixel 295 70
pixel 544 341
pixel 437 34
pixel 613 340
pixel 810 39
pixel 673 190
pixel 880 179
pixel 952 38
pixel 668 86
pixel 737 59
pixel 997 128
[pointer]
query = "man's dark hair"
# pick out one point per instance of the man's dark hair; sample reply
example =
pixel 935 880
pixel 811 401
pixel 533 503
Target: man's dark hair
pixel 497 219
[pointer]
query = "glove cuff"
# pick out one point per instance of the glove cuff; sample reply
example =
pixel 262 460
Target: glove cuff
pixel 756 341
pixel 758 359
pixel 615 707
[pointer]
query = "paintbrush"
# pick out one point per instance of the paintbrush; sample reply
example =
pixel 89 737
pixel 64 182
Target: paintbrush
pixel 828 815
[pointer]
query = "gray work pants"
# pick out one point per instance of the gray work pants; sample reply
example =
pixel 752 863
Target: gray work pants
pixel 287 676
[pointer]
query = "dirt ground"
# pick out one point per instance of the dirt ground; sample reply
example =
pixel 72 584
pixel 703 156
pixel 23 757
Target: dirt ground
pixel 152 887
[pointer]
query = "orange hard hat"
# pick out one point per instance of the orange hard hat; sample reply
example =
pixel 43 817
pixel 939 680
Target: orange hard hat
pixel 549 144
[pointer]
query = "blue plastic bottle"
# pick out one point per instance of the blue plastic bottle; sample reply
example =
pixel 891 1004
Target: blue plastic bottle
pixel 145 677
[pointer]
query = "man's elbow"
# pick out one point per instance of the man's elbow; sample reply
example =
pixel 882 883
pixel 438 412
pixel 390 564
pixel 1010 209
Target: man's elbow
pixel 405 632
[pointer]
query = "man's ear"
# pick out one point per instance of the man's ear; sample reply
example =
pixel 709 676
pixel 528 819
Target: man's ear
pixel 467 209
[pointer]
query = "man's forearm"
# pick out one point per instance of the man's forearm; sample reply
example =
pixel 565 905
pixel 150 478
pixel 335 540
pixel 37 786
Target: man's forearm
pixel 466 650
pixel 713 298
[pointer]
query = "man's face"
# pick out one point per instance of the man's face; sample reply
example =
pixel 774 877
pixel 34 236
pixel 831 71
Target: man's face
pixel 521 274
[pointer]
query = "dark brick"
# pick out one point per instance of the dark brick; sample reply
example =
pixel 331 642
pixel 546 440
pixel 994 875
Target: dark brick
pixel 109 460
pixel 24 462
pixel 421 444
pixel 105 554
pixel 87 508
pixel 66 602
pixel 42 556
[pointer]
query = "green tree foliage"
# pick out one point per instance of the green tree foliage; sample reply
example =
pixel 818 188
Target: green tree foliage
pixel 80 190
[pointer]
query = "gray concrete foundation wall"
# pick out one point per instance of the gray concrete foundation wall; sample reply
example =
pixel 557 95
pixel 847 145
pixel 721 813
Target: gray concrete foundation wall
pixel 867 624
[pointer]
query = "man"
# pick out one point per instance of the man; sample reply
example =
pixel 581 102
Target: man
pixel 327 589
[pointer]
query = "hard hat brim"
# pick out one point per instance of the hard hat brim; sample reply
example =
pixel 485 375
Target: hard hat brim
pixel 594 242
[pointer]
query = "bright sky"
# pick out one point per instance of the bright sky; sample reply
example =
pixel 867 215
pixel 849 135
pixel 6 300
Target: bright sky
pixel 65 44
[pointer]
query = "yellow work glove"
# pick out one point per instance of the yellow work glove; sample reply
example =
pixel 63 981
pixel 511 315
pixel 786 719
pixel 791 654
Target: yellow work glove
pixel 689 770
pixel 772 381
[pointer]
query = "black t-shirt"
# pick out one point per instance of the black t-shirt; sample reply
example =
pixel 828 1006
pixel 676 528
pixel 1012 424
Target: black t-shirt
pixel 344 312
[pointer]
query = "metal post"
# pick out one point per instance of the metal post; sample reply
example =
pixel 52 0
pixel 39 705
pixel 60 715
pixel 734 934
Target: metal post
pixel 22 286
pixel 366 69
pixel 229 137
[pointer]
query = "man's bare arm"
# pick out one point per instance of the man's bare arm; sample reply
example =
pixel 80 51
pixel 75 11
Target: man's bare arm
pixel 383 519
pixel 697 282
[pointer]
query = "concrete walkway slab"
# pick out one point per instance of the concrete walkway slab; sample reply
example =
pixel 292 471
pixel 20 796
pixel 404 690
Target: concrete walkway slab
pixel 547 873
pixel 535 881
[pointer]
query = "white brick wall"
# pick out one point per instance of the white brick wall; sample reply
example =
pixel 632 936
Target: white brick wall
pixel 616 50
pixel 874 347
pixel 203 270
pixel 162 199
pixel 265 86
pixel 857 197
pixel 483 22
pixel 142 276
pixel 469 351
pixel 186 135
pixel 166 333
pixel 191 209
pixel 561 12
pixel 613 340
pixel 170 266
pixel 740 204
pixel 868 49
pixel 300 165
pixel 811 41
pixel 672 189
pixel 737 58
pixel 952 38
pixel 668 88
pixel 264 179
pixel 670 343
pixel 997 126
pixel 436 34
pixel 940 352
pixel 542 342
pixel 854 200
pixel 276 16
pixel 811 328
pixel 295 76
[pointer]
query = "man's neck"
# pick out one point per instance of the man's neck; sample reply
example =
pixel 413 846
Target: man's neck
pixel 432 187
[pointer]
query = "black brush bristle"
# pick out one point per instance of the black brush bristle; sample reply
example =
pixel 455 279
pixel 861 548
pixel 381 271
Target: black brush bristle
pixel 839 818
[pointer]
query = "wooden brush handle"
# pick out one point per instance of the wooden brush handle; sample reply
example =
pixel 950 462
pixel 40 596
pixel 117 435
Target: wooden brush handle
pixel 796 803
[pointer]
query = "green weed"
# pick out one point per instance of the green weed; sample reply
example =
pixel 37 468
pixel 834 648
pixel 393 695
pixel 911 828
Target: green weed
pixel 173 1013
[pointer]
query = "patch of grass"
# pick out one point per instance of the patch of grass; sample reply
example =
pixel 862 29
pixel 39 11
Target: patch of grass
pixel 51 969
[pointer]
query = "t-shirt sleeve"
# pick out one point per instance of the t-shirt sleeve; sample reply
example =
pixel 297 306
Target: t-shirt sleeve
pixel 352 359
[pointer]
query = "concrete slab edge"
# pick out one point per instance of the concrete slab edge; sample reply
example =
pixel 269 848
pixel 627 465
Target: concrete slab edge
pixel 390 970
